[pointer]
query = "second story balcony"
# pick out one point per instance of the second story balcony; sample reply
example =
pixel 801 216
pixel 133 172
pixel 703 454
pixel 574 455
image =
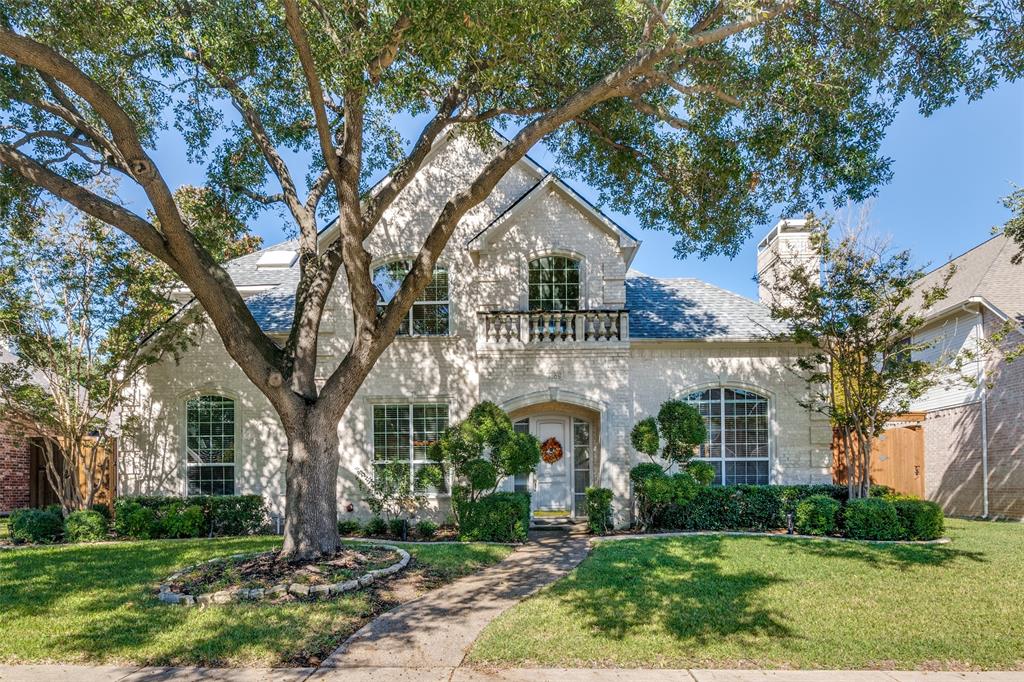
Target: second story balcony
pixel 512 328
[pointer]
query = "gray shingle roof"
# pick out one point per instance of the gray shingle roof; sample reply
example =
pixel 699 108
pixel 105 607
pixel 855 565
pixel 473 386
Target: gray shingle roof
pixel 244 272
pixel 685 308
pixel 274 309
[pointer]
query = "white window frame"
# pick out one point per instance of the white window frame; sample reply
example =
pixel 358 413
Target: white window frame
pixel 411 461
pixel 409 315
pixel 721 458
pixel 236 434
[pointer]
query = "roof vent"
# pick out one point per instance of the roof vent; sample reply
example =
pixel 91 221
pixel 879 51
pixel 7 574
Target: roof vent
pixel 277 259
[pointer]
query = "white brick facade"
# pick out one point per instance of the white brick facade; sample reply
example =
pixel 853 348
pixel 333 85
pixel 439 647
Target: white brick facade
pixel 611 383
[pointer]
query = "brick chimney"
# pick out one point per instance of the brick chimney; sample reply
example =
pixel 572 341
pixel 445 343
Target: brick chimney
pixel 785 247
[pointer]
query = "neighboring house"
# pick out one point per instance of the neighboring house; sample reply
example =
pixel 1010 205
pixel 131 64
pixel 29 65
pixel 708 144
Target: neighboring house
pixel 974 430
pixel 15 459
pixel 533 306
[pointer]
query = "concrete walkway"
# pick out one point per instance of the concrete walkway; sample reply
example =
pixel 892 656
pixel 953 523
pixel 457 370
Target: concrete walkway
pixel 81 673
pixel 436 630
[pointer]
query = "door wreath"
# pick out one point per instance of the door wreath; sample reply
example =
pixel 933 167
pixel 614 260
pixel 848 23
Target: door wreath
pixel 551 450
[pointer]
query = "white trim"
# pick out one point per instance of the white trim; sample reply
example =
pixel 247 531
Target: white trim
pixel 556 395
pixel 411 462
pixel 584 267
pixel 182 403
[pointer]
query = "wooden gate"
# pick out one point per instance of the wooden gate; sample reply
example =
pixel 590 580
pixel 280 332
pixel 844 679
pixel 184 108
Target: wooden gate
pixel 41 493
pixel 897 456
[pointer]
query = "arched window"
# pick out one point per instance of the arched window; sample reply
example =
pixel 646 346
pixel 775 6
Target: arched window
pixel 430 315
pixel 210 445
pixel 554 283
pixel 738 444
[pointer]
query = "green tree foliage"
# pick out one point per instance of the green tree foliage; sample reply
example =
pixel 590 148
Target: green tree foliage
pixel 482 450
pixel 83 310
pixel 700 117
pixel 679 425
pixel 857 317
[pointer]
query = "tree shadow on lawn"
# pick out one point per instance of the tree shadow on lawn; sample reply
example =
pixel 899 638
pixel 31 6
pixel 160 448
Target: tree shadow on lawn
pixel 681 584
pixel 879 555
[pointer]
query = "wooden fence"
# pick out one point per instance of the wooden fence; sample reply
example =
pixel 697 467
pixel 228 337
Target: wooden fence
pixel 42 494
pixel 897 456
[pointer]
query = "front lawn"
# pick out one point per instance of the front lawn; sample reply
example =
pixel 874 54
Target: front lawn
pixel 718 601
pixel 96 603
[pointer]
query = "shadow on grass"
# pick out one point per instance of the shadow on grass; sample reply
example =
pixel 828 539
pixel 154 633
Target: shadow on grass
pixel 880 555
pixel 629 584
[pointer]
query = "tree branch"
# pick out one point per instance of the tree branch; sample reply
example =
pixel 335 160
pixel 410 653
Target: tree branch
pixel 659 113
pixel 387 55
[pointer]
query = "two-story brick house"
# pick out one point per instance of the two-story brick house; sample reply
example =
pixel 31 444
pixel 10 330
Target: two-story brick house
pixel 533 306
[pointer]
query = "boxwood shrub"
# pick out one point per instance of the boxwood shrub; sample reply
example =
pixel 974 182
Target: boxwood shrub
pixel 920 519
pixel 872 518
pixel 42 526
pixel 599 510
pixel 144 516
pixel 349 527
pixel 85 526
pixel 498 517
pixel 817 515
pixel 182 520
pixel 742 507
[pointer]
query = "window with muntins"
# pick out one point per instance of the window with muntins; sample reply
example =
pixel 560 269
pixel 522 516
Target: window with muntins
pixel 430 315
pixel 738 440
pixel 210 445
pixel 402 436
pixel 521 482
pixel 554 283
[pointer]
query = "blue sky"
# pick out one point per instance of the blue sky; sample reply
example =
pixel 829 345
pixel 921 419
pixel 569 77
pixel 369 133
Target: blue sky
pixel 950 170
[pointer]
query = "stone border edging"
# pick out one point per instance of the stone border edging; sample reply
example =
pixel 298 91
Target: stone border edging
pixel 741 533
pixel 169 596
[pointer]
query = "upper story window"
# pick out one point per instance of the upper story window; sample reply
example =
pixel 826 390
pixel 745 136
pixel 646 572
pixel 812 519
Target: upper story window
pixel 554 283
pixel 430 315
pixel 737 445
pixel 210 445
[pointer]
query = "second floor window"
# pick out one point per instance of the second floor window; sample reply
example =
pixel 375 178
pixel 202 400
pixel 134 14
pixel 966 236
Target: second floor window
pixel 554 283
pixel 430 315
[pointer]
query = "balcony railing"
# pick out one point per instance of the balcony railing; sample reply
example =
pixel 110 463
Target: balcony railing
pixel 510 327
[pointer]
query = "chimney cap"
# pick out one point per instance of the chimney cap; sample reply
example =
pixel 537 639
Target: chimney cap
pixel 785 225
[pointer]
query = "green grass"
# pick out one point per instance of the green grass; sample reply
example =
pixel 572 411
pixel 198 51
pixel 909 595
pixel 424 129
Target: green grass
pixel 96 603
pixel 716 601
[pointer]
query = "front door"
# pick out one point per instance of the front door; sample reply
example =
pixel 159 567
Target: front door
pixel 554 490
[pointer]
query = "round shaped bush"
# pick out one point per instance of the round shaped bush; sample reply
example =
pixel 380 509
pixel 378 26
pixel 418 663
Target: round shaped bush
pixel 85 526
pixel 36 525
pixel 920 519
pixel 817 515
pixel 481 474
pixel 183 521
pixel 376 527
pixel 872 518
pixel 349 527
pixel 135 521
pixel 426 529
pixel 702 472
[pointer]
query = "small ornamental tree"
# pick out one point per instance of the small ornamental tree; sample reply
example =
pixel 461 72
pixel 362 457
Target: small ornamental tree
pixel 678 425
pixel 83 311
pixel 481 451
pixel 856 318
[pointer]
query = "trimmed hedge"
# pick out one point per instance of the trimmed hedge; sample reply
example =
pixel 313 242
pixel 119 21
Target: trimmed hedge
pixel 818 515
pixel 347 527
pixel 85 526
pixel 151 516
pixel 498 517
pixel 43 526
pixel 599 510
pixel 872 518
pixel 426 529
pixel 741 507
pixel 920 519
pixel 376 526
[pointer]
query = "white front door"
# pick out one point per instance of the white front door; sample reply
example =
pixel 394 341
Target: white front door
pixel 554 489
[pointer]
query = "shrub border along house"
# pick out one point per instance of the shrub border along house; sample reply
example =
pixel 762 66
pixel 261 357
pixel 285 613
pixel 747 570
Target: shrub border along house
pixel 144 517
pixel 770 508
pixel 170 596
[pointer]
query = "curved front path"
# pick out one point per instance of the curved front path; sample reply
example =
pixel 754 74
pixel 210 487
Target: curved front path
pixel 437 630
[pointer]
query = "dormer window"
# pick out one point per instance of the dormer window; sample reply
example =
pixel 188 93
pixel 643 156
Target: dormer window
pixel 430 315
pixel 554 283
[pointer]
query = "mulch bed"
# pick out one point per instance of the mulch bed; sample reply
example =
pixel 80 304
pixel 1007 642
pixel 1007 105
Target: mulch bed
pixel 265 571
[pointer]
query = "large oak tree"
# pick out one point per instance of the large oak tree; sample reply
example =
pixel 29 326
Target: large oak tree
pixel 697 116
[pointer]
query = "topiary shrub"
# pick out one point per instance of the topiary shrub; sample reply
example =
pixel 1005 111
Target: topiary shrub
pixel 348 527
pixel 376 527
pixel 182 520
pixel 817 515
pixel 498 517
pixel 426 529
pixel 85 526
pixel 134 520
pixel 920 519
pixel 599 510
pixel 397 527
pixel 36 525
pixel 702 472
pixel 872 518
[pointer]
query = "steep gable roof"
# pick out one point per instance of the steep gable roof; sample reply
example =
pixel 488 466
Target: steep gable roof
pixel 690 309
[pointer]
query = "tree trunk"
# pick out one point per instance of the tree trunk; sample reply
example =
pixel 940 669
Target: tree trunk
pixel 311 503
